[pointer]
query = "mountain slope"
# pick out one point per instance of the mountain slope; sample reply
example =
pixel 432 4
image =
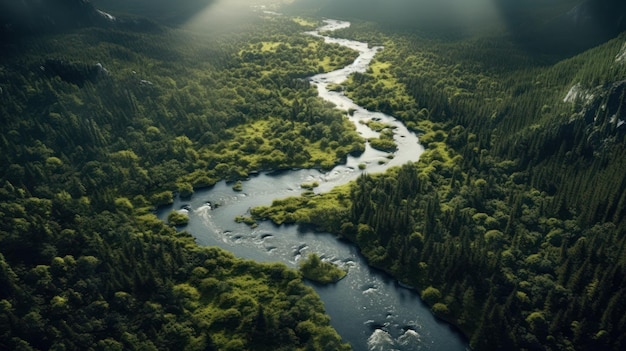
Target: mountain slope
pixel 31 16
pixel 164 11
pixel 574 29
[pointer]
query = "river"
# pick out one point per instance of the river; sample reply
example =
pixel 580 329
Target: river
pixel 368 308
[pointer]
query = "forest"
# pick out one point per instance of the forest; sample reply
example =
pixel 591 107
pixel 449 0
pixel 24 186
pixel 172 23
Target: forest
pixel 101 126
pixel 317 270
pixel 511 225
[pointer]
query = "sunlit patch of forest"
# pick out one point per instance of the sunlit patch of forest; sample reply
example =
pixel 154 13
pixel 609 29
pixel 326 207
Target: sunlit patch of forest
pixel 512 224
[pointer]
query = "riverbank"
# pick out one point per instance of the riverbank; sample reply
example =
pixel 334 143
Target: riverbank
pixel 367 308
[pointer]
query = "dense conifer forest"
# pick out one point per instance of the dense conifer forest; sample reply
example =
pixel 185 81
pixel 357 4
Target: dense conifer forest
pixel 512 224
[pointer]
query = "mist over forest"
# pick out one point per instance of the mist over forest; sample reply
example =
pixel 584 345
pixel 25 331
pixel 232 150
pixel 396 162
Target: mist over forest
pixel 165 11
pixel 564 26
pixel 555 26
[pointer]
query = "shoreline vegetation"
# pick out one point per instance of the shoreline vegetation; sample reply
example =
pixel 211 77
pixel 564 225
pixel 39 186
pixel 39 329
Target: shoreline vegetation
pixel 177 219
pixel 317 270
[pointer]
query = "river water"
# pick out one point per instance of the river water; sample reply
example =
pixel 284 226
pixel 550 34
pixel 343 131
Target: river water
pixel 368 308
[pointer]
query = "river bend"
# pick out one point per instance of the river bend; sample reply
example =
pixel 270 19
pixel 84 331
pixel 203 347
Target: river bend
pixel 368 308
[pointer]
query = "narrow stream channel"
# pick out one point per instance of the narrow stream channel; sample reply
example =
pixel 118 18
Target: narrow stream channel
pixel 368 308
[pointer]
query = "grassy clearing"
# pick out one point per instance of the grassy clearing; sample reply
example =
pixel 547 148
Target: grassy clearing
pixel 321 209
pixel 377 126
pixel 305 22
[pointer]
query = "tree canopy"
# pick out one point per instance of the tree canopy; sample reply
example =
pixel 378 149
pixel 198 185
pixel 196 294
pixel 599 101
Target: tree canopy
pixel 512 223
pixel 101 126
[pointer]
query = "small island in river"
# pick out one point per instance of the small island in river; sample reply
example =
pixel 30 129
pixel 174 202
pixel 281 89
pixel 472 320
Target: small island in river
pixel 313 268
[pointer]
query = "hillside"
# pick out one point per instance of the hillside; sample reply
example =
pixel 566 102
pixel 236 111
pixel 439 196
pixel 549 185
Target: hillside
pixel 31 17
pixel 163 11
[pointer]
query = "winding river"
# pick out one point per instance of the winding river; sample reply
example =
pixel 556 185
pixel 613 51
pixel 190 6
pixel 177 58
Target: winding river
pixel 368 308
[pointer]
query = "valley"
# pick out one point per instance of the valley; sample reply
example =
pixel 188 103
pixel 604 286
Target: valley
pixel 457 174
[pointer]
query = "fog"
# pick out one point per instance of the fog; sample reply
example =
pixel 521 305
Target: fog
pixel 541 26
pixel 451 11
pixel 567 26
pixel 459 13
pixel 228 14
pixel 444 13
pixel 564 26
